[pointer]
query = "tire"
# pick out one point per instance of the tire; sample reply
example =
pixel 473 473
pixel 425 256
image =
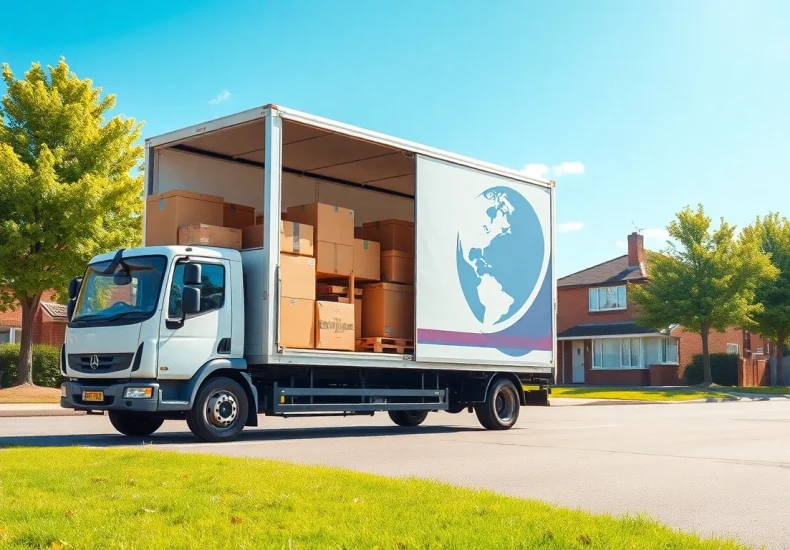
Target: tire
pixel 500 409
pixel 135 424
pixel 408 419
pixel 219 412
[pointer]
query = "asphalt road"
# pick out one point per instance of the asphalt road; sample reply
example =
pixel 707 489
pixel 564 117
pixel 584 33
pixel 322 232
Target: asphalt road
pixel 715 468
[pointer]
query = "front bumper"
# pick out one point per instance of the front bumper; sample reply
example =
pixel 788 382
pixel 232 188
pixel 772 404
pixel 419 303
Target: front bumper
pixel 113 396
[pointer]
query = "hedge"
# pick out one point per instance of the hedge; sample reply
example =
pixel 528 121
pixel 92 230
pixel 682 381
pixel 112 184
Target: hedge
pixel 46 365
pixel 723 368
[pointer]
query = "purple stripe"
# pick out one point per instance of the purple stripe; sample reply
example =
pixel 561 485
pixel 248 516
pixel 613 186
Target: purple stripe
pixel 478 339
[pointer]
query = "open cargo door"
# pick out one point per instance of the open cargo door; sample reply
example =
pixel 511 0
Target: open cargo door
pixel 484 267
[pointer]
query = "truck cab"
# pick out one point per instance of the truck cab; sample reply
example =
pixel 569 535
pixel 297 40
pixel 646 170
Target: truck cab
pixel 148 325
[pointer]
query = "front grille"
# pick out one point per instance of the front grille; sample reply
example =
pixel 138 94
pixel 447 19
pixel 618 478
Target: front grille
pixel 100 362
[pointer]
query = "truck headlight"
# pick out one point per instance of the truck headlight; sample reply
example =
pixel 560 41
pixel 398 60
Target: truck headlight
pixel 138 393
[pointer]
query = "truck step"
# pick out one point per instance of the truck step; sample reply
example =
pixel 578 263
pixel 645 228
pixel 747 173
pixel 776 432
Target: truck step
pixel 385 345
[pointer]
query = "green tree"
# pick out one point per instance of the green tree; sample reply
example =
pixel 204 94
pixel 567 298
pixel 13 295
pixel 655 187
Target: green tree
pixel 772 236
pixel 67 191
pixel 704 279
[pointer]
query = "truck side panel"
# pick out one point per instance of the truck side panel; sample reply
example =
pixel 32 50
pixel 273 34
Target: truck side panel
pixel 484 267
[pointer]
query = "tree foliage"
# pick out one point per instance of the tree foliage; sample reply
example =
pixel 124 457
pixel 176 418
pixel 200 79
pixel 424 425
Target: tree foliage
pixel 772 236
pixel 67 191
pixel 704 279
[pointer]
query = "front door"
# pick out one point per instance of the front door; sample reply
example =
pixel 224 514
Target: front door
pixel 184 349
pixel 578 362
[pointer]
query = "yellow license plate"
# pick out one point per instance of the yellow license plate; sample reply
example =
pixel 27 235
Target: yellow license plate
pixel 93 396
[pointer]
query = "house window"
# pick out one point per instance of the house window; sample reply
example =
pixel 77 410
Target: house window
pixel 617 353
pixel 607 298
pixel 733 349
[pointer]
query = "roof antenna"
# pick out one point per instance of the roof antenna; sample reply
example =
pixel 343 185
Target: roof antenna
pixel 637 229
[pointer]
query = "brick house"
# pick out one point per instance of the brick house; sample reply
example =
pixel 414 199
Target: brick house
pixel 49 324
pixel 600 343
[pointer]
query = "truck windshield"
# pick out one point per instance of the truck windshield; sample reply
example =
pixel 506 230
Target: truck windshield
pixel 131 290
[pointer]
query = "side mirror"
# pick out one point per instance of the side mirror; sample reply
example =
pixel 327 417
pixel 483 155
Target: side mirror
pixel 193 274
pixel 74 287
pixel 190 299
pixel 70 307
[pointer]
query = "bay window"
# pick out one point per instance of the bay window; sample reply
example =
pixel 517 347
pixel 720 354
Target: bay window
pixel 607 297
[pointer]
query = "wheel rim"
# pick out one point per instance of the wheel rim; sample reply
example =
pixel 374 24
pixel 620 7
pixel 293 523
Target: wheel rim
pixel 505 404
pixel 222 409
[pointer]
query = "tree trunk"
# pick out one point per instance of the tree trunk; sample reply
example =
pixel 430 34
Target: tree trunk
pixel 24 369
pixel 707 375
pixel 780 351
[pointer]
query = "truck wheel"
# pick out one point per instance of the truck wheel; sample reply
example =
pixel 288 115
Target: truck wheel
pixel 135 424
pixel 500 409
pixel 219 412
pixel 408 418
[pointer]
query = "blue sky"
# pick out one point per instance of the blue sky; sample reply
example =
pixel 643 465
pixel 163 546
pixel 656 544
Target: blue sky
pixel 635 108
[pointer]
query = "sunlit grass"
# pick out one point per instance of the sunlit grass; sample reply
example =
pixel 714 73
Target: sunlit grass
pixel 81 498
pixel 631 394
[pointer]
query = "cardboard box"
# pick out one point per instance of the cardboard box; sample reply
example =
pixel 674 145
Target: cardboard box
pixel 333 260
pixel 259 217
pixel 367 260
pixel 334 326
pixel 252 236
pixel 166 212
pixel 397 267
pixel 297 323
pixel 237 215
pixel 392 234
pixel 331 224
pixel 327 289
pixel 202 234
pixel 388 311
pixel 297 277
pixel 357 310
pixel 296 238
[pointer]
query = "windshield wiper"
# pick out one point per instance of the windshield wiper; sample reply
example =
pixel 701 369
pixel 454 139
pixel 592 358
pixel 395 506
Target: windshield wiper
pixel 98 316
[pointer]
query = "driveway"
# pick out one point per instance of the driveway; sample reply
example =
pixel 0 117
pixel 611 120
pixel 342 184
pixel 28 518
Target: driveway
pixel 713 468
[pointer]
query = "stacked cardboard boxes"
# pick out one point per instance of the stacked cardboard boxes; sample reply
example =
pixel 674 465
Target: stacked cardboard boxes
pixel 389 305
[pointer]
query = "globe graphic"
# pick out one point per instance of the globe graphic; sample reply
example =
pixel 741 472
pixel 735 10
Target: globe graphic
pixel 499 256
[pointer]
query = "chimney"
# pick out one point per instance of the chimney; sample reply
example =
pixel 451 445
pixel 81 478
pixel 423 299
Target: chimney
pixel 636 249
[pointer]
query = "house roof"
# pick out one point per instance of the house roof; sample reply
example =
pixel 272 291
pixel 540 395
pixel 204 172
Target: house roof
pixel 598 330
pixel 56 311
pixel 612 271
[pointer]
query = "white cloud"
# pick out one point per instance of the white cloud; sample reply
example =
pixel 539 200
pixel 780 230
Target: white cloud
pixel 224 95
pixel 536 170
pixel 562 169
pixel 570 227
pixel 567 168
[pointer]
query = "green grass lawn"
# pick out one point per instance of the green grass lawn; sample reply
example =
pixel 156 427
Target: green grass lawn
pixel 80 498
pixel 632 394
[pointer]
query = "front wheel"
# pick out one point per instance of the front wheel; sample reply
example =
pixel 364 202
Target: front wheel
pixel 500 409
pixel 219 412
pixel 408 418
pixel 135 424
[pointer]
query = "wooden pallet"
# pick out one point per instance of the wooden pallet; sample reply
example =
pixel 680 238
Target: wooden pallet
pixel 399 346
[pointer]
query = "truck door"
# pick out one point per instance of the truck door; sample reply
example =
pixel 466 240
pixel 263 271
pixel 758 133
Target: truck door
pixel 483 267
pixel 184 348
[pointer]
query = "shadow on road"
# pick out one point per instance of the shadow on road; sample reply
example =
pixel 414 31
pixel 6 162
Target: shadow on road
pixel 261 435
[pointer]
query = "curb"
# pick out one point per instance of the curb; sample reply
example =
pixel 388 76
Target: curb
pixel 39 413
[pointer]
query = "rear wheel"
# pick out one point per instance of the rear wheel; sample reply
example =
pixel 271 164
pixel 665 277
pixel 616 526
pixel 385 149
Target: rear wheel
pixel 408 418
pixel 500 409
pixel 135 424
pixel 219 412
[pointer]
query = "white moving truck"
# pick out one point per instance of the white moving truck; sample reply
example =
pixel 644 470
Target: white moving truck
pixel 484 287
